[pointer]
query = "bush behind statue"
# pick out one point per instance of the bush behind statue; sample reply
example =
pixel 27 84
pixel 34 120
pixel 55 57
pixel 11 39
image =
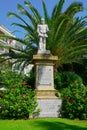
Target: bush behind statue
pixel 64 79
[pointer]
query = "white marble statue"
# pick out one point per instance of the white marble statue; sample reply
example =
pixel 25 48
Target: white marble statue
pixel 42 30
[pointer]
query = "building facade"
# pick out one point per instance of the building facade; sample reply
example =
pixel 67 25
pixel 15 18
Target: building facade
pixel 8 42
pixel 14 44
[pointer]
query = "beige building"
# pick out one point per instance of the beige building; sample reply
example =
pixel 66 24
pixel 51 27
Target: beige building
pixel 12 43
pixel 8 42
pixel 15 44
pixel 5 31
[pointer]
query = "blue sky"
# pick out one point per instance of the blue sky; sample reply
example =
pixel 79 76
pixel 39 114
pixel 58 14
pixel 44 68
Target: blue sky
pixel 11 6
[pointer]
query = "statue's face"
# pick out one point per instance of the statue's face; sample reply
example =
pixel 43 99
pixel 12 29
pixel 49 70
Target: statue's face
pixel 42 21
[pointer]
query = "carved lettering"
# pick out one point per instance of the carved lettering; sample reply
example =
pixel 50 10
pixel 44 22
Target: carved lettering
pixel 45 74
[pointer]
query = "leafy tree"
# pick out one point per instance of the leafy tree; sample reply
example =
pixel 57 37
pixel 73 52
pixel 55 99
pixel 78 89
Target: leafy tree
pixel 67 37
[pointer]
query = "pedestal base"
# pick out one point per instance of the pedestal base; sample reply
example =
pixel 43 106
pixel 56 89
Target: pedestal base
pixel 49 107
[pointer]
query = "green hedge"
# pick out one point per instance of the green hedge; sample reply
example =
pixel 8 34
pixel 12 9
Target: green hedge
pixel 74 101
pixel 18 100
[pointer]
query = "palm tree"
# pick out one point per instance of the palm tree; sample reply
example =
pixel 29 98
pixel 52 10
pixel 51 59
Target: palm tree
pixel 67 37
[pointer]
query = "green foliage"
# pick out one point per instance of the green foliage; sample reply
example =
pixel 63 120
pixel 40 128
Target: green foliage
pixel 8 77
pixel 64 79
pixel 81 69
pixel 58 80
pixel 74 100
pixel 18 100
pixel 17 103
pixel 30 79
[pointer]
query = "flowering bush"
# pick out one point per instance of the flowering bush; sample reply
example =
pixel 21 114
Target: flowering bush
pixel 65 79
pixel 18 100
pixel 74 100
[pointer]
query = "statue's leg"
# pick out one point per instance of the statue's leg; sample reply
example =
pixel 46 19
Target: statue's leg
pixel 41 40
pixel 44 44
pixel 41 44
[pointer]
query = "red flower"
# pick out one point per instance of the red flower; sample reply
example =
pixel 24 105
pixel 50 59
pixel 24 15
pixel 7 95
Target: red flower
pixel 68 99
pixel 24 83
pixel 14 86
pixel 71 100
pixel 0 93
pixel 24 94
pixel 64 96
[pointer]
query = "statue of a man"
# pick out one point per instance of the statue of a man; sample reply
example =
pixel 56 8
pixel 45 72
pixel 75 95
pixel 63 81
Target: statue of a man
pixel 42 30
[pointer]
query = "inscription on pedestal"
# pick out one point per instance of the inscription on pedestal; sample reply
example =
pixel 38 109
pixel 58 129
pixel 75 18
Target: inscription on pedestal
pixel 45 75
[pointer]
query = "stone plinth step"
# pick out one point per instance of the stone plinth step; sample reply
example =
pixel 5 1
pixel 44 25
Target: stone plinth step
pixel 49 107
pixel 46 94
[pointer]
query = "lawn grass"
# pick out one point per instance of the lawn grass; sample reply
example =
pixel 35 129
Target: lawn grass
pixel 43 124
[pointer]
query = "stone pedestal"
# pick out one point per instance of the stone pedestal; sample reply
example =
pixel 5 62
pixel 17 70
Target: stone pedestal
pixel 44 71
pixel 45 92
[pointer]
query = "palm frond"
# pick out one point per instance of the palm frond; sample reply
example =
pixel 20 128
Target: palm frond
pixel 74 8
pixel 23 11
pixel 34 11
pixel 46 16
pixel 57 9
pixel 11 14
pixel 2 36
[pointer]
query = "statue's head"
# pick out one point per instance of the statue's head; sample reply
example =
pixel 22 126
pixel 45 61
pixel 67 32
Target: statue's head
pixel 42 21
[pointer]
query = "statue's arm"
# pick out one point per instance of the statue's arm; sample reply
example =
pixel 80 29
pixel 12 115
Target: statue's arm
pixel 47 29
pixel 38 29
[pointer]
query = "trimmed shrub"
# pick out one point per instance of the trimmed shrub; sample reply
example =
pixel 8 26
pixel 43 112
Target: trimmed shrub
pixel 18 100
pixel 74 100
pixel 73 94
pixel 17 103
